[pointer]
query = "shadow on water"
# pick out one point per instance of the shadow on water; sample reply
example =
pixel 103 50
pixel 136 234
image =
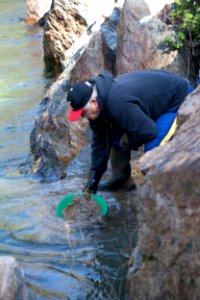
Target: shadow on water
pixel 61 260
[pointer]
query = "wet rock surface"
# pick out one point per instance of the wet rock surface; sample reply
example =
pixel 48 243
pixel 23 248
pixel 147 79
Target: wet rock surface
pixel 54 140
pixel 165 264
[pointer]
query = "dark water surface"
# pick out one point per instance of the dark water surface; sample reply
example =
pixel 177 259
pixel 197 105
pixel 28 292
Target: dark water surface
pixel 60 260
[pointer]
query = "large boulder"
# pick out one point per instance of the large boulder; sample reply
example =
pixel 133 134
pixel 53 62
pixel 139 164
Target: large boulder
pixel 83 68
pixel 63 26
pixel 69 20
pixel 189 107
pixel 140 8
pixel 96 53
pixel 54 140
pixel 135 48
pixel 173 61
pixel 12 282
pixel 36 9
pixel 141 44
pixel 165 263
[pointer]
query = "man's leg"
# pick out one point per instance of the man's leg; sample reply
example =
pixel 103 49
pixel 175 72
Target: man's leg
pixel 166 126
pixel 120 164
pixel 121 170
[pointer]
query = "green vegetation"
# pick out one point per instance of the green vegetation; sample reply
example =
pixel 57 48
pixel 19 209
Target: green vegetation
pixel 185 20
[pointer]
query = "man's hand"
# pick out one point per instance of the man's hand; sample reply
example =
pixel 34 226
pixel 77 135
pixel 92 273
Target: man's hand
pixel 87 195
pixel 92 184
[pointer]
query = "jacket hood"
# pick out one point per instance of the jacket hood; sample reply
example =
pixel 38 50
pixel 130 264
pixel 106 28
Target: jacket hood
pixel 103 84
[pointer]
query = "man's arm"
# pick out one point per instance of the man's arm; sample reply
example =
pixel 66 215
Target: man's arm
pixel 100 154
pixel 100 146
pixel 140 128
pixel 144 130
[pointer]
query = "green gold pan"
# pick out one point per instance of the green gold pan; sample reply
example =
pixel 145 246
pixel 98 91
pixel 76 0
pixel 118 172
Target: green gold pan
pixel 68 200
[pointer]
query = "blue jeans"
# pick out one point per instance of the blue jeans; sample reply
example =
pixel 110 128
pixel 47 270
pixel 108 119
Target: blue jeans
pixel 164 124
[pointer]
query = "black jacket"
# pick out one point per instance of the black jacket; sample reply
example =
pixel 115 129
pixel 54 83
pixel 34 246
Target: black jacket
pixel 131 103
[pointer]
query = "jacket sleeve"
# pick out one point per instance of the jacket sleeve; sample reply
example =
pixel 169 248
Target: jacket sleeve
pixel 100 146
pixel 140 128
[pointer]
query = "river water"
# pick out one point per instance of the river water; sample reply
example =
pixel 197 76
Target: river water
pixel 60 260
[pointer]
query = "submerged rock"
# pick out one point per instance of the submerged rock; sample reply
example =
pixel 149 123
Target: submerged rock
pixel 12 282
pixel 168 216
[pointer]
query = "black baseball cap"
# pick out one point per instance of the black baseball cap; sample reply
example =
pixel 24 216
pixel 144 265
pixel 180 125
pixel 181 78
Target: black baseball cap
pixel 78 96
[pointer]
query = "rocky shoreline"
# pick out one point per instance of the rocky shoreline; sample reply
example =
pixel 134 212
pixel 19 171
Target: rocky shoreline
pixel 85 46
pixel 168 239
pixel 165 263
